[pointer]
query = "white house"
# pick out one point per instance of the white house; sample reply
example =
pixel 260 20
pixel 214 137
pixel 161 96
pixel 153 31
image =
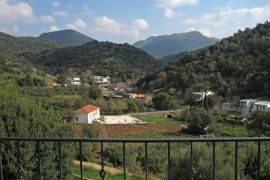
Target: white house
pixel 75 81
pixel 102 79
pixel 199 96
pixel 86 114
pixel 230 108
pixel 245 107
pixel 261 105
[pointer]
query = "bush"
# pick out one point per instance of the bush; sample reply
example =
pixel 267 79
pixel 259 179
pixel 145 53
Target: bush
pixel 199 121
pixel 163 101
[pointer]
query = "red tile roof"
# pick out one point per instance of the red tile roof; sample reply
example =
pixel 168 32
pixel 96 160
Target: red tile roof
pixel 86 109
pixel 140 96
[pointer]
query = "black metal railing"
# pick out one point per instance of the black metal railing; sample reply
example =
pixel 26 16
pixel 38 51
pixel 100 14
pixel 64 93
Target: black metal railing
pixel 80 141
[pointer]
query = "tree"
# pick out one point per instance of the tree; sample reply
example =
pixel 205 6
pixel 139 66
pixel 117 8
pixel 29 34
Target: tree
pixel 199 121
pixel 94 92
pixel 261 121
pixel 132 106
pixel 163 101
pixel 23 117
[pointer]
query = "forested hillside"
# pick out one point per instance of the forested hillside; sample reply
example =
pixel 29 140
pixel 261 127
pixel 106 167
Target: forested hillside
pixel 67 36
pixel 237 65
pixel 19 46
pixel 166 45
pixel 105 58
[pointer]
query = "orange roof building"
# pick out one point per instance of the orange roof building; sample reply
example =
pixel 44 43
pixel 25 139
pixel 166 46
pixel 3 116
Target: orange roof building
pixel 86 114
pixel 140 96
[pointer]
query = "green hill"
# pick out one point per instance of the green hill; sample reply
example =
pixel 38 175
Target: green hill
pixel 67 36
pixel 121 61
pixel 17 46
pixel 166 45
pixel 237 65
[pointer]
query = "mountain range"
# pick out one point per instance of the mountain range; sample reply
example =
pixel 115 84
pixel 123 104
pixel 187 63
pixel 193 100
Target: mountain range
pixel 67 36
pixel 166 45
pixel 235 66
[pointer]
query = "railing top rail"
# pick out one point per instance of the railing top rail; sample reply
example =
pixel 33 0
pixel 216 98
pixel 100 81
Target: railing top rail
pixel 117 140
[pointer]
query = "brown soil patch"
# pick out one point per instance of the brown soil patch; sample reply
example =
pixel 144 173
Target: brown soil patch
pixel 111 130
pixel 96 166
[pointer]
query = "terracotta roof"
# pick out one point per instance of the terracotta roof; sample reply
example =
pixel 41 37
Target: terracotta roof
pixel 86 109
pixel 140 95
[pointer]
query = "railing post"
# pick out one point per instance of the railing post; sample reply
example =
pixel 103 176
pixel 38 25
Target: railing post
pixel 124 160
pixel 39 160
pixel 1 162
pixel 236 161
pixel 19 161
pixel 60 160
pixel 259 160
pixel 191 160
pixel 169 160
pixel 81 168
pixel 102 172
pixel 214 161
pixel 146 161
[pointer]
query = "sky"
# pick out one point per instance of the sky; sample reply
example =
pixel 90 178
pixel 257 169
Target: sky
pixel 131 20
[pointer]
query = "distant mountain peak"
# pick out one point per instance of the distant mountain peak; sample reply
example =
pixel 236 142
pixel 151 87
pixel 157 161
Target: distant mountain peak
pixel 68 36
pixel 166 45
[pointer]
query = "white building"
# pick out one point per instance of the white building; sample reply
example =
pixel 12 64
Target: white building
pixel 102 79
pixel 86 114
pixel 230 108
pixel 245 107
pixel 75 81
pixel 261 105
pixel 199 96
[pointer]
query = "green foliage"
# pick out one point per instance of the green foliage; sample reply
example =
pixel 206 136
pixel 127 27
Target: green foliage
pixel 132 106
pixel 94 92
pixel 261 121
pixel 163 101
pixel 94 174
pixel 67 36
pixel 198 120
pixel 30 81
pixel 22 117
pixel 121 61
pixel 237 65
pixel 24 46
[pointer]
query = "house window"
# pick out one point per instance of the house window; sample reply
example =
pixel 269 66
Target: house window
pixel 77 119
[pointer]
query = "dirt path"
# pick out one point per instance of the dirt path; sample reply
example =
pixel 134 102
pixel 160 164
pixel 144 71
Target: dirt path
pixel 96 166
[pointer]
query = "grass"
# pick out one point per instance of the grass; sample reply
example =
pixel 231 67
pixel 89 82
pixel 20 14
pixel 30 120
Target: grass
pixel 94 174
pixel 223 130
pixel 157 119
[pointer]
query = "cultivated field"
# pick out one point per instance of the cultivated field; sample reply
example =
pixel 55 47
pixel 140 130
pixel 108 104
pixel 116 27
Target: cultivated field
pixel 112 130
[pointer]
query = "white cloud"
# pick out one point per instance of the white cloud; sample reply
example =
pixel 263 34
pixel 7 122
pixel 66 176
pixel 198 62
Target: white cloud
pixel 10 30
pixel 169 13
pixel 190 21
pixel 106 22
pixel 227 21
pixel 174 3
pixel 79 24
pixel 108 28
pixel 56 4
pixel 53 28
pixel 140 24
pixel 60 13
pixel 16 12
pixel 168 5
pixel 47 19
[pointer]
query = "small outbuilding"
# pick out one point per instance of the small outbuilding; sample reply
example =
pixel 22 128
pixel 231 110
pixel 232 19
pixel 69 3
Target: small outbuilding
pixel 86 114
